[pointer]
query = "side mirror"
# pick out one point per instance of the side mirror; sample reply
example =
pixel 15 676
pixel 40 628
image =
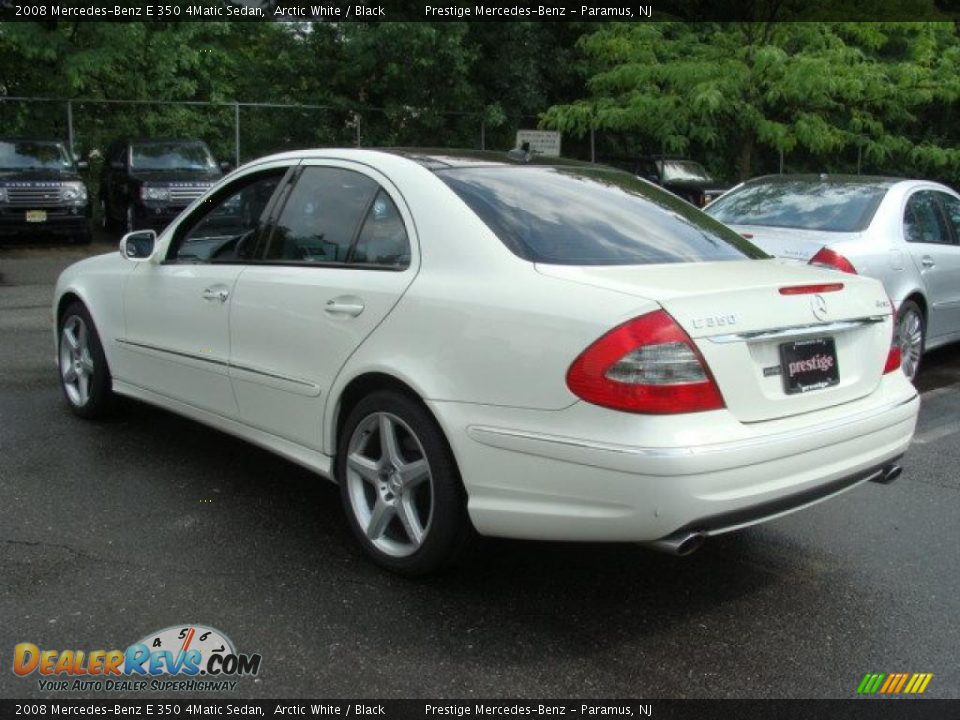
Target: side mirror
pixel 83 165
pixel 138 245
pixel 225 166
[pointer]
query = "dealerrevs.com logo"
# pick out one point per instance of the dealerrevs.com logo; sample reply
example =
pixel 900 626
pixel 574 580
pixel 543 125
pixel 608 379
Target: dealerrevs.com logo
pixel 181 658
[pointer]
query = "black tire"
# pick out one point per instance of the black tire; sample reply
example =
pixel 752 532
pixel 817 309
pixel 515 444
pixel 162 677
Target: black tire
pixel 449 529
pixel 100 400
pixel 84 237
pixel 106 221
pixel 130 219
pixel 911 368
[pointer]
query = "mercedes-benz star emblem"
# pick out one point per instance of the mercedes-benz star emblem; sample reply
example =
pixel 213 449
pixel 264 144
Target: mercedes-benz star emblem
pixel 819 307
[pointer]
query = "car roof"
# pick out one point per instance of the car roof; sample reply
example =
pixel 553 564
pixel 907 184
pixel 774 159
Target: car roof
pixel 840 179
pixel 149 141
pixel 24 138
pixel 446 158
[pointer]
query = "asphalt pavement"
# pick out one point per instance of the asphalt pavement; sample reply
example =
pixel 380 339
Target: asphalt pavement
pixel 109 531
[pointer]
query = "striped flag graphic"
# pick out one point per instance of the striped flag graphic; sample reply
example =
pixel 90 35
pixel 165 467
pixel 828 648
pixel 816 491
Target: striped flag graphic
pixel 894 683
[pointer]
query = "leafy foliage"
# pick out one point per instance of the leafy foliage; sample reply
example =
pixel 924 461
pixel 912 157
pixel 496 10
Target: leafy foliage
pixel 823 94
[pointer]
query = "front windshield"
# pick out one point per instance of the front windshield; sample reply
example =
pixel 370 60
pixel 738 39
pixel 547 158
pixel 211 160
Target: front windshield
pixel 33 155
pixel 683 170
pixel 171 156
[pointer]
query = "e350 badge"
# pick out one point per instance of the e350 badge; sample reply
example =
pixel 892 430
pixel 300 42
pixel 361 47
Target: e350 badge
pixel 185 657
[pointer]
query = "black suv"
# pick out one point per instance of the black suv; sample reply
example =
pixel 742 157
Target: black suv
pixel 41 190
pixel 146 183
pixel 685 178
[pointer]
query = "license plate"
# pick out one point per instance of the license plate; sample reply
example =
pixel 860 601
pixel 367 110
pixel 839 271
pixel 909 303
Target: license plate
pixel 809 365
pixel 36 215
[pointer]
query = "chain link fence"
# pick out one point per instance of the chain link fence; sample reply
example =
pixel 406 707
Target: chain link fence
pixel 239 132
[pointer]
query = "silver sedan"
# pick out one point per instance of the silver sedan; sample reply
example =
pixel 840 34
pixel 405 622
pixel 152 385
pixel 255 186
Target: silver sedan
pixel 905 233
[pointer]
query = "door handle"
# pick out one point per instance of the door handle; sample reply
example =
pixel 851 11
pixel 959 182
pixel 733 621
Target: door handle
pixel 344 305
pixel 927 261
pixel 216 293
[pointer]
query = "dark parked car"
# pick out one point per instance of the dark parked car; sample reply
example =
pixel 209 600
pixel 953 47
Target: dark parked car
pixel 41 190
pixel 685 178
pixel 146 183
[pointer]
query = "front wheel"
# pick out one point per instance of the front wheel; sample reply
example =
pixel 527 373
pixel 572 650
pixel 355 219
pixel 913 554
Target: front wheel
pixel 84 375
pixel 400 486
pixel 911 336
pixel 107 223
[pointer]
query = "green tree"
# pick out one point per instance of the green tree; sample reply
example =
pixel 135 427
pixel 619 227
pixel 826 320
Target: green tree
pixel 814 91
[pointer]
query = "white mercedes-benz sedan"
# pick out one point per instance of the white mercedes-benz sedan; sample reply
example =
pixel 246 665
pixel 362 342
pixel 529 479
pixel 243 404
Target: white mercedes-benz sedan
pixel 467 341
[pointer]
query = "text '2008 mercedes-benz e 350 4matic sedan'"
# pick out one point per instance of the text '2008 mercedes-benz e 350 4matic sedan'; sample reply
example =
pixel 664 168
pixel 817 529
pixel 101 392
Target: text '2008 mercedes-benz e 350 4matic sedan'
pixel 553 350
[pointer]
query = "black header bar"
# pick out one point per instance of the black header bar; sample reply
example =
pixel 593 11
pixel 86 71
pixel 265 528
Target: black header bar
pixel 479 11
pixel 152 707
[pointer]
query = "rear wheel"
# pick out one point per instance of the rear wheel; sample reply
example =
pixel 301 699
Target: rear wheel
pixel 83 237
pixel 400 486
pixel 911 335
pixel 84 375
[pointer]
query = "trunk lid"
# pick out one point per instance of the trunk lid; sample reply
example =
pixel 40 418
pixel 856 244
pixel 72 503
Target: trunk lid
pixel 739 320
pixel 791 243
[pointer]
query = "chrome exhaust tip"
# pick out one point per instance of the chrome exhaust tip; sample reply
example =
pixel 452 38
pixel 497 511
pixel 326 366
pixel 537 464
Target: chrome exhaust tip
pixel 682 543
pixel 888 474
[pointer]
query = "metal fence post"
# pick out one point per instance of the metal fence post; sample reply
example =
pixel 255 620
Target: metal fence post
pixel 356 122
pixel 593 146
pixel 781 161
pixel 483 134
pixel 70 127
pixel 236 134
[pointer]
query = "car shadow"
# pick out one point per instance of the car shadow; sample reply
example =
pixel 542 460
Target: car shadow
pixel 285 521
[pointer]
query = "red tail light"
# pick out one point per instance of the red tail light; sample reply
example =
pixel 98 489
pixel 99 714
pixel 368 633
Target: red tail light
pixel 647 365
pixel 893 356
pixel 828 258
pixel 811 289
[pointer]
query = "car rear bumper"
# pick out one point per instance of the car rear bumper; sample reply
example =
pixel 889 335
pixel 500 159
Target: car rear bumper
pixel 679 473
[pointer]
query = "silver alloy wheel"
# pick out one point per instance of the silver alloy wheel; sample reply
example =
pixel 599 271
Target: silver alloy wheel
pixel 910 338
pixel 389 484
pixel 76 362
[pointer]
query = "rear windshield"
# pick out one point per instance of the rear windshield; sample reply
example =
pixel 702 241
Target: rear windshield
pixel 803 204
pixel 574 216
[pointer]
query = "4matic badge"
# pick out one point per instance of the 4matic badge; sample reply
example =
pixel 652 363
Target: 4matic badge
pixel 185 652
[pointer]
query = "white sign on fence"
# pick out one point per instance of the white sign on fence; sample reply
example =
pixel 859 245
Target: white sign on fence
pixel 545 142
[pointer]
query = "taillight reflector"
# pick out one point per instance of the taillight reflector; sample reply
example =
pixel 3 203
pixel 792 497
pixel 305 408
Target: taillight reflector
pixel 647 365
pixel 894 356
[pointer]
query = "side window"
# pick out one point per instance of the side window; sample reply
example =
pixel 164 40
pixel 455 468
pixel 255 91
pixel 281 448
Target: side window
pixel 383 238
pixel 922 220
pixel 226 227
pixel 952 207
pixel 321 217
